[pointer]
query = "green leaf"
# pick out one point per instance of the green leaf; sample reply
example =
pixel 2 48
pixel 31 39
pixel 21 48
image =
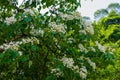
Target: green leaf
pixel 25 58
pixel 30 63
pixel 52 77
pixel 34 48
pixel 69 33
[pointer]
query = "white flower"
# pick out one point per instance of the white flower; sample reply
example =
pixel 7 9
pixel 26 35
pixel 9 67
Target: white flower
pixel 92 64
pixel 37 32
pixel 70 17
pixel 92 49
pixel 57 28
pixel 100 47
pixel 29 11
pixel 10 20
pixel 52 24
pixel 90 30
pixel 73 15
pixel 76 68
pixel 68 62
pixel 34 40
pixel 30 2
pixel 57 72
pixel 76 15
pixel 83 72
pixel 62 15
pixel 82 32
pixel 70 40
pixel 88 26
pixel 87 23
pixel 1 47
pixel 20 53
pixel 82 48
pixel 55 39
pixel 15 45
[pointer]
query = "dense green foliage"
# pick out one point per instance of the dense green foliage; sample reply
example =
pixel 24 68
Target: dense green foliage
pixel 57 45
pixel 108 33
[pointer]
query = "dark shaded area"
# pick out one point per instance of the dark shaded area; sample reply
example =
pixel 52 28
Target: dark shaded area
pixel 112 21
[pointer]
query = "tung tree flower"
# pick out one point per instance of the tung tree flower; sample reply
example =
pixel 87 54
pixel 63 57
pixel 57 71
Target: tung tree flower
pixel 88 26
pixel 57 28
pixel 83 72
pixel 68 62
pixel 90 30
pixel 10 20
pixel 76 15
pixel 15 45
pixel 20 53
pixel 82 32
pixel 73 15
pixel 37 32
pixel 100 47
pixel 29 11
pixel 92 64
pixel 82 48
pixel 92 49
pixel 57 72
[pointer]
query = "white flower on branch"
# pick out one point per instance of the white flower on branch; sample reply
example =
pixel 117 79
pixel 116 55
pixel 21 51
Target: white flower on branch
pixel 57 28
pixel 100 47
pixel 10 20
pixel 57 72
pixel 20 53
pixel 15 45
pixel 73 15
pixel 82 48
pixel 92 64
pixel 70 40
pixel 92 49
pixel 68 62
pixel 62 15
pixel 76 15
pixel 76 68
pixel 37 32
pixel 29 11
pixel 83 72
pixel 70 17
pixel 90 30
pixel 88 26
pixel 82 32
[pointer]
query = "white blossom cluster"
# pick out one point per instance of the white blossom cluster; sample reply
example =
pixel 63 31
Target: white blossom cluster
pixel 76 15
pixel 88 26
pixel 36 32
pixel 92 49
pixel 82 32
pixel 82 48
pixel 57 28
pixel 92 64
pixel 73 15
pixel 20 53
pixel 15 45
pixel 55 39
pixel 57 72
pixel 110 49
pixel 10 20
pixel 70 40
pixel 83 72
pixel 100 47
pixel 69 63
pixel 29 11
